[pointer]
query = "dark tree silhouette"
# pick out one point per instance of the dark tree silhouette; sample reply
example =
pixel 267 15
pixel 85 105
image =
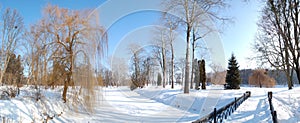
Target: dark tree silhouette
pixel 233 78
pixel 202 73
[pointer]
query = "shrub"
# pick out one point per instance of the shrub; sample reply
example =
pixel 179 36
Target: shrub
pixel 260 78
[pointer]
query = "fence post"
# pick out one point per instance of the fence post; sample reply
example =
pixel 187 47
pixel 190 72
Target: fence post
pixel 235 103
pixel 270 95
pixel 215 115
pixel 249 93
pixel 275 117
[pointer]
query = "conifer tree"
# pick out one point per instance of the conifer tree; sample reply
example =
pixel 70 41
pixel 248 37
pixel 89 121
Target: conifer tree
pixel 233 78
pixel 14 70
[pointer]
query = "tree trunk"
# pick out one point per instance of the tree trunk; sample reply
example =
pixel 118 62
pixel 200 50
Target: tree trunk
pixel 187 60
pixel 198 82
pixel 64 95
pixel 164 66
pixel 202 75
pixel 193 56
pixel 69 76
pixel 288 69
pixel 298 74
pixel 172 68
pixel 192 73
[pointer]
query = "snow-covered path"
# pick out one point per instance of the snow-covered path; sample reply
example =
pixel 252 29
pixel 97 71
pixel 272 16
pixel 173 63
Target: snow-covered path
pixel 123 105
pixel 257 109
pixel 254 110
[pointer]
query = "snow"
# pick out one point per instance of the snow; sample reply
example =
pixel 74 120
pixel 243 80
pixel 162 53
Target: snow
pixel 257 109
pixel 25 108
pixel 153 104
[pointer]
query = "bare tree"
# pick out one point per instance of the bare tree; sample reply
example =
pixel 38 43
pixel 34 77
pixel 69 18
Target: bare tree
pixel 190 11
pixel 218 75
pixel 141 66
pixel 196 36
pixel 172 25
pixel 160 49
pixel 119 71
pixel 11 30
pixel 278 37
pixel 164 44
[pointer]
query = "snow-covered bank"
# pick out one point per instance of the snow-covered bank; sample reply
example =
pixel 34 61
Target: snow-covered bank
pixel 154 104
pixel 25 108
pixel 198 102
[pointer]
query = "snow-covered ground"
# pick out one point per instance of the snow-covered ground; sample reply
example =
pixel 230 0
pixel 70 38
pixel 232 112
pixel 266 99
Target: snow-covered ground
pixel 154 104
pixel 257 109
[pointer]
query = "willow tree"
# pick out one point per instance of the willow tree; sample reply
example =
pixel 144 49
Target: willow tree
pixel 77 34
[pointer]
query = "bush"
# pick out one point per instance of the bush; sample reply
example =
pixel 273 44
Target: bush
pixel 260 78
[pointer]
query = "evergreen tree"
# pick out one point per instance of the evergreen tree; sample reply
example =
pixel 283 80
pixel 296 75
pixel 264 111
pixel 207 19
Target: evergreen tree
pixel 202 73
pixel 14 70
pixel 233 78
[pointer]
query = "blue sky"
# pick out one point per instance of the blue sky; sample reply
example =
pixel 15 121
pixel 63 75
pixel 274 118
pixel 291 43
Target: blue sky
pixel 236 37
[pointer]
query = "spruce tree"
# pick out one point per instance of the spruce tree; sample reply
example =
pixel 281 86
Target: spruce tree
pixel 233 78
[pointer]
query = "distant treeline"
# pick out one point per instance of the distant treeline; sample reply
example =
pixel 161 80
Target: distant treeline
pixel 278 75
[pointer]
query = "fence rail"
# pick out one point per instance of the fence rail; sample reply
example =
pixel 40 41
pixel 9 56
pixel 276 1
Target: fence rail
pixel 224 112
pixel 273 112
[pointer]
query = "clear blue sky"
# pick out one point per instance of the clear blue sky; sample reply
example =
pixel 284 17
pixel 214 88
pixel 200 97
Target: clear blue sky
pixel 236 37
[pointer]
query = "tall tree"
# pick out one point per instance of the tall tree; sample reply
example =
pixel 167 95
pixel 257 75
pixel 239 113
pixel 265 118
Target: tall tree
pixel 172 26
pixel 278 37
pixel 160 49
pixel 138 68
pixel 233 78
pixel 75 33
pixel 190 11
pixel 196 36
pixel 11 30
